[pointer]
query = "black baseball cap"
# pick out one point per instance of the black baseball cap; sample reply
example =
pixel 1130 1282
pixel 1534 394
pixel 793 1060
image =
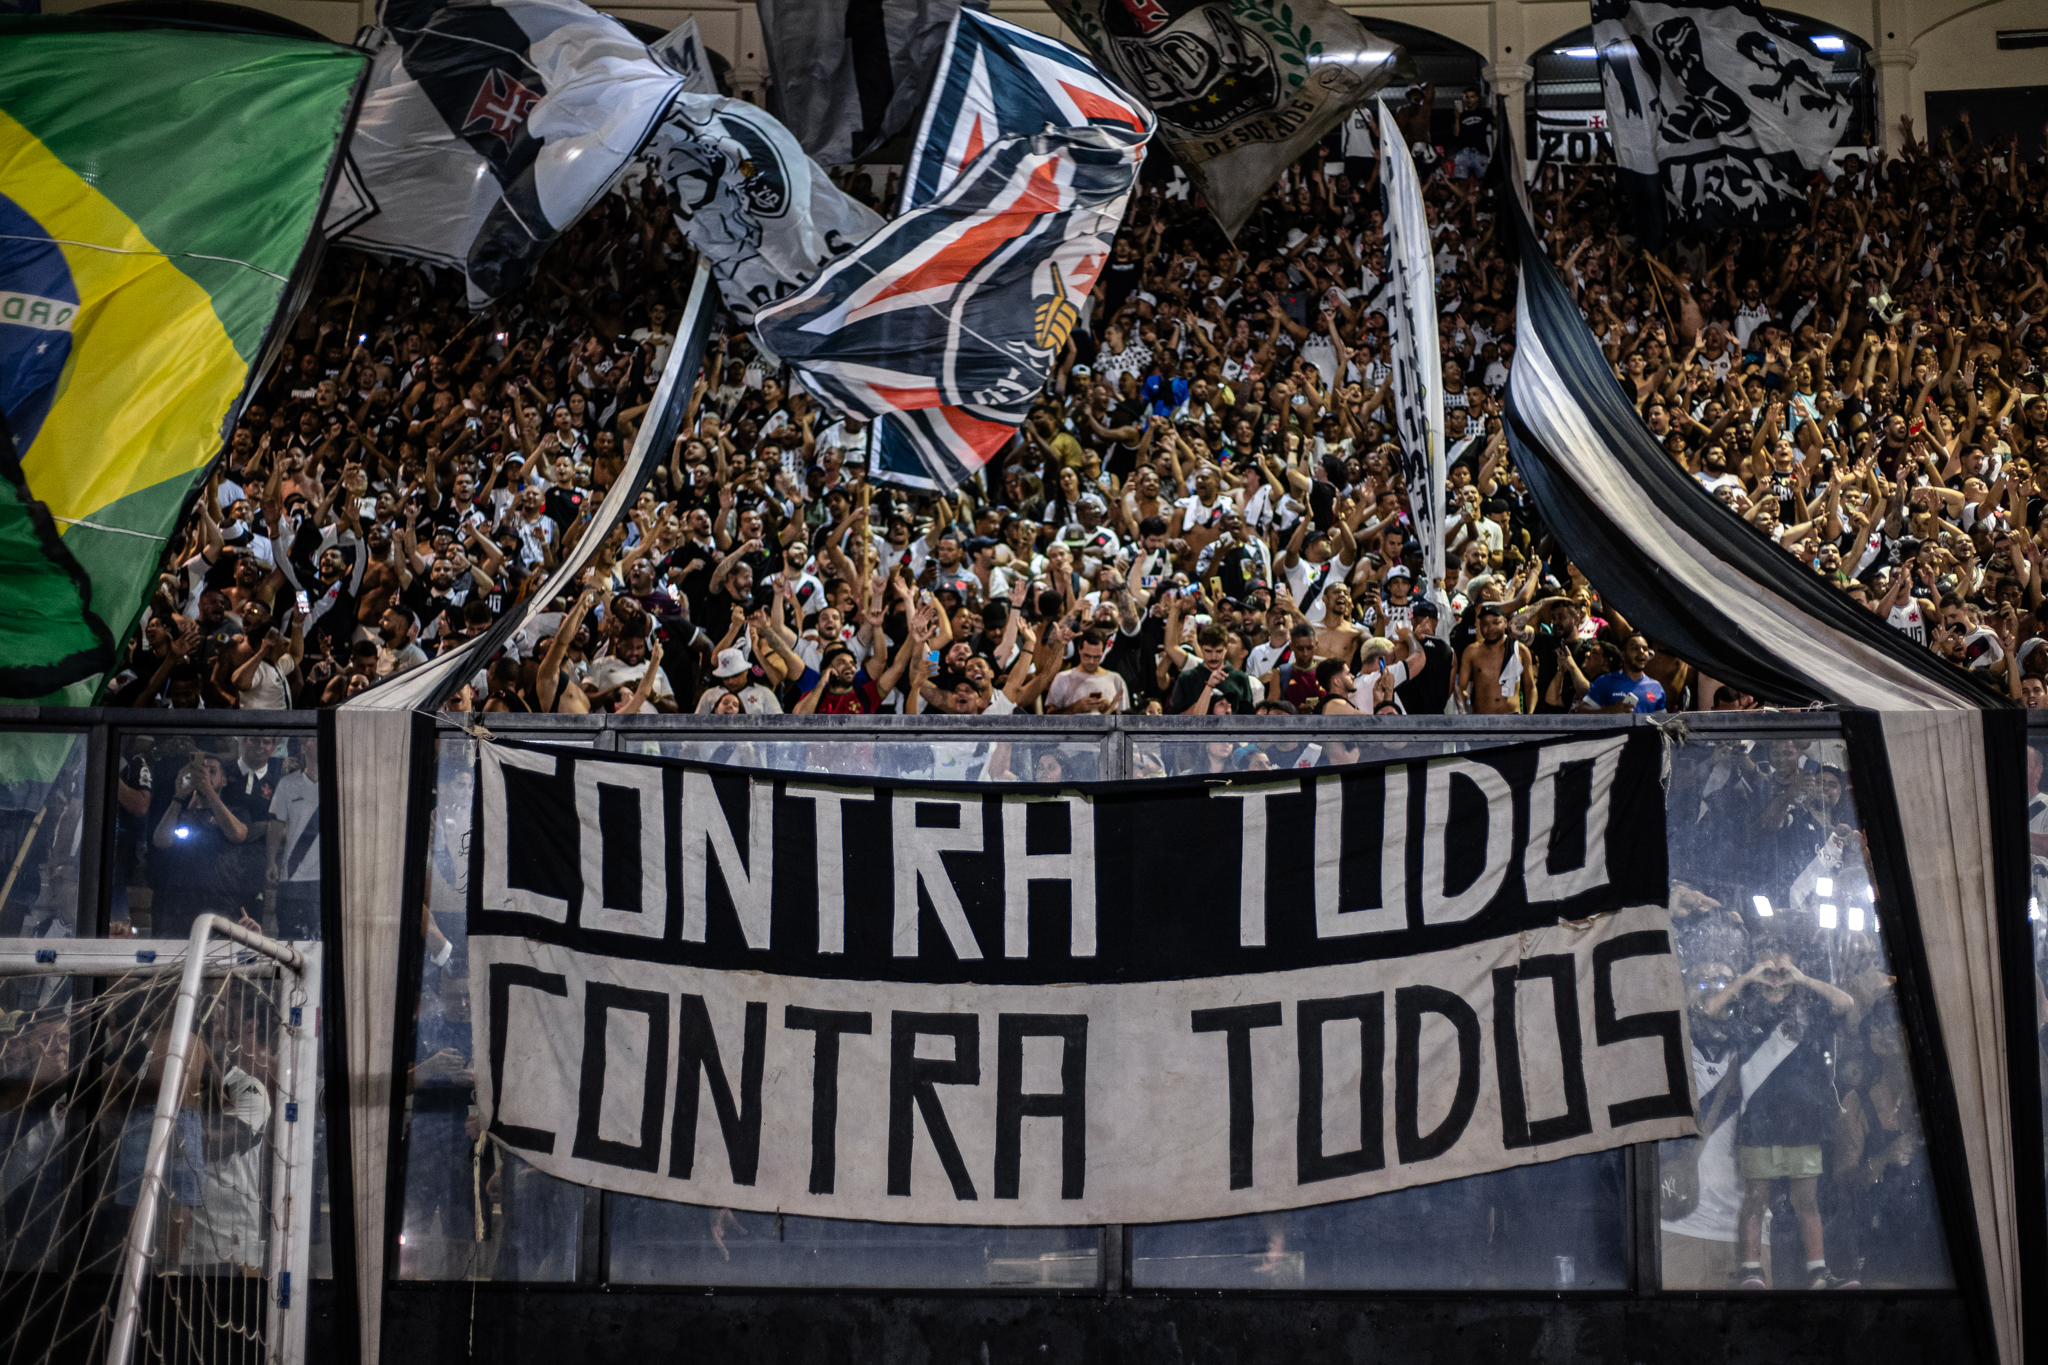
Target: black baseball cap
pixel 1424 608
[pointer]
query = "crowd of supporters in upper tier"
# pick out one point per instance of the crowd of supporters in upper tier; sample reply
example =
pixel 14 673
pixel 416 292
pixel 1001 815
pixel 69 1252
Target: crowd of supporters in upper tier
pixel 1205 511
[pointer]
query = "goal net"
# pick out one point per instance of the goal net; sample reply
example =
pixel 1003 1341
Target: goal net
pixel 157 1105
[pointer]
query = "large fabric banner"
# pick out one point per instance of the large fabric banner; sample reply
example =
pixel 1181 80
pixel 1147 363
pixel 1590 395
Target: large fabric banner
pixel 763 216
pixel 1418 359
pixel 162 190
pixel 1692 574
pixel 1718 113
pixel 489 128
pixel 1242 88
pixel 849 76
pixel 949 319
pixel 985 1004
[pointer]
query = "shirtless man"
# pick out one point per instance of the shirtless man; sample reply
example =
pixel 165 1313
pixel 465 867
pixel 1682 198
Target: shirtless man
pixel 1338 636
pixel 1497 676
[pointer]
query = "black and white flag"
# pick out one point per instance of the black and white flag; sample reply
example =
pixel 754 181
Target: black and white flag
pixel 1418 361
pixel 1241 90
pixel 488 129
pixel 1694 576
pixel 765 217
pixel 851 74
pixel 990 1004
pixel 1719 114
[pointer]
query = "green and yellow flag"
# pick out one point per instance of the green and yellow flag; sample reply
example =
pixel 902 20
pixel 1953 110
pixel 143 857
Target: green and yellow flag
pixel 159 189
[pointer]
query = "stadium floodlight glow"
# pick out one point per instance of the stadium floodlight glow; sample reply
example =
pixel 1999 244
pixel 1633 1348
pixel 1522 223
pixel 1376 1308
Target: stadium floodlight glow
pixel 2034 909
pixel 1856 919
pixel 1584 54
pixel 1823 886
pixel 1763 906
pixel 1828 42
pixel 1830 916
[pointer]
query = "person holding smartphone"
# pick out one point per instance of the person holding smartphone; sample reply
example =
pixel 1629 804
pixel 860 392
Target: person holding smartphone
pixel 193 840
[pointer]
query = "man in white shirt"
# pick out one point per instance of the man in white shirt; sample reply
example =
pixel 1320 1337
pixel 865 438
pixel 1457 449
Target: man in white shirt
pixel 1088 688
pixel 295 803
pixel 1311 570
pixel 624 667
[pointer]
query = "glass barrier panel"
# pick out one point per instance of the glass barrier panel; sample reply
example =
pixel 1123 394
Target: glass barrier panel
pixel 42 788
pixel 1558 1225
pixel 1226 754
pixel 652 1241
pixel 227 824
pixel 1813 1172
pixel 472 1211
pixel 2037 894
pixel 1046 759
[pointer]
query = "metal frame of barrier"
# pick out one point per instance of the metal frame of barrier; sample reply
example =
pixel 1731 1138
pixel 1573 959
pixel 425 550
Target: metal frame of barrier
pixel 430 1320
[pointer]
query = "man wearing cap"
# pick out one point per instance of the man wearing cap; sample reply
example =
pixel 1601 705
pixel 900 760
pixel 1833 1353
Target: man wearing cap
pixel 396 649
pixel 1495 673
pixel 1422 666
pixel 1396 608
pixel 991 582
pixel 1097 544
pixel 734 673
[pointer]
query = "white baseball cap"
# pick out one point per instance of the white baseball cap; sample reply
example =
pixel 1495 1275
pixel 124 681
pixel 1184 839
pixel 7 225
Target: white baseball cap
pixel 731 663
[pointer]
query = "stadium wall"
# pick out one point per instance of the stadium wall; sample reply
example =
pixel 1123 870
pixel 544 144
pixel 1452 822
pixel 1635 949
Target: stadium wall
pixel 1917 46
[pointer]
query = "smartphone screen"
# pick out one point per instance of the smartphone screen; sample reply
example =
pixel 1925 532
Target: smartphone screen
pixel 304 604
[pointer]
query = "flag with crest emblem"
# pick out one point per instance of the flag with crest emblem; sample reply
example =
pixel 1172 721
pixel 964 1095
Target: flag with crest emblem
pixel 946 322
pixel 489 128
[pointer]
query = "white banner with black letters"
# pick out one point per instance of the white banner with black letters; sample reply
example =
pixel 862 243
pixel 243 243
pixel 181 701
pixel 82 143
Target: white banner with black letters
pixel 1012 1005
pixel 1719 114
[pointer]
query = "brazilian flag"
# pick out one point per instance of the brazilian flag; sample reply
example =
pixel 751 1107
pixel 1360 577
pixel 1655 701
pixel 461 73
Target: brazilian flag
pixel 160 190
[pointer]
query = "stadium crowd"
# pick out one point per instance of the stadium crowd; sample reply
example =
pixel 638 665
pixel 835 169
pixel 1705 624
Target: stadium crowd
pixel 1205 512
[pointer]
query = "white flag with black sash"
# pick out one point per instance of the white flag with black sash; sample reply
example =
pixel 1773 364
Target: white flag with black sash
pixel 1410 301
pixel 1719 114
pixel 489 128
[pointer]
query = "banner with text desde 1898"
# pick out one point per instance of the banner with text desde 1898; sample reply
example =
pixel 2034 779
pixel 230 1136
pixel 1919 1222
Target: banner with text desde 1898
pixel 944 1003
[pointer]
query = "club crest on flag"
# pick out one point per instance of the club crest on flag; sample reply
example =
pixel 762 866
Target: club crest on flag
pixel 1057 315
pixel 500 107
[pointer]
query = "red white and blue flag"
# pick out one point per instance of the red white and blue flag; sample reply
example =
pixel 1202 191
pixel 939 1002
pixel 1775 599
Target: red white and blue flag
pixel 946 322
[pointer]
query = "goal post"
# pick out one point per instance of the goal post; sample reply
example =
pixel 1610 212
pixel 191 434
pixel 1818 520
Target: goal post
pixel 158 1101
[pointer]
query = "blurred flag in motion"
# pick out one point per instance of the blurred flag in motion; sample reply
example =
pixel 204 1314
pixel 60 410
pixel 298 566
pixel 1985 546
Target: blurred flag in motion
pixel 947 321
pixel 850 74
pixel 490 128
pixel 162 188
pixel 1242 87
pixel 1719 114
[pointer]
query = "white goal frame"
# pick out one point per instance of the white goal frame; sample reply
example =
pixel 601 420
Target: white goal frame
pixel 216 947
